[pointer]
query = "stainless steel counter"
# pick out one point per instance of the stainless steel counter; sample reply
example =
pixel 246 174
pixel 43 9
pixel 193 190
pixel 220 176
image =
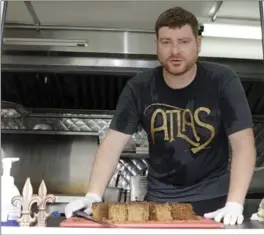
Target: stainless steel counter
pixel 248 224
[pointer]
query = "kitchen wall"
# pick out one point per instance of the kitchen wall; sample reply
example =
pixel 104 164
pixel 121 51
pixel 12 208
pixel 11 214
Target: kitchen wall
pixel 63 161
pixel 63 157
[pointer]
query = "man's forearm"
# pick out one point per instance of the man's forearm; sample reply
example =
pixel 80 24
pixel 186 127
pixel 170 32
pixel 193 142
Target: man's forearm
pixel 242 169
pixel 103 168
pixel 105 161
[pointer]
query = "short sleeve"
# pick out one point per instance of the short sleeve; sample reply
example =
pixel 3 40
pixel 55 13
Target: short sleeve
pixel 126 117
pixel 236 113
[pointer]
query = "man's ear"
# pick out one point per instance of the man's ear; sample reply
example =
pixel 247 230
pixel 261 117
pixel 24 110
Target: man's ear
pixel 199 43
pixel 156 44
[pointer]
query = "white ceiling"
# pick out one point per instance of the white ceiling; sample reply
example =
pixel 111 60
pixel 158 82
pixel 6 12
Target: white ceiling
pixel 18 13
pixel 123 14
pixel 240 9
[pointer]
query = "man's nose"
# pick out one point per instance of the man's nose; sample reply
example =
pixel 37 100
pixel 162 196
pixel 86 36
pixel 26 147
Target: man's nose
pixel 175 49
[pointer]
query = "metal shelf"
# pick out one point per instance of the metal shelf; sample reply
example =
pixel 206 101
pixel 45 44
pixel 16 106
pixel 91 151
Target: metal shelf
pixel 41 132
pixel 134 155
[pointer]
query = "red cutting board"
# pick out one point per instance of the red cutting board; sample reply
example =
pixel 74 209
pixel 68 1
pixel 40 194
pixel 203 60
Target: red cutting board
pixel 179 224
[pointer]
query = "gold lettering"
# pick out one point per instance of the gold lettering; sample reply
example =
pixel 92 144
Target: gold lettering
pixel 191 123
pixel 205 125
pixel 178 112
pixel 181 123
pixel 171 112
pixel 185 137
pixel 180 134
pixel 163 127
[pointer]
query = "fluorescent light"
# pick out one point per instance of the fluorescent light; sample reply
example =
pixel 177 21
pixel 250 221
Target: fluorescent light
pixel 232 31
pixel 45 42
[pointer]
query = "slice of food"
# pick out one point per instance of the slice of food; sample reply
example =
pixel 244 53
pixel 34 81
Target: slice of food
pixel 160 212
pixel 138 212
pixel 117 212
pixel 100 211
pixel 182 211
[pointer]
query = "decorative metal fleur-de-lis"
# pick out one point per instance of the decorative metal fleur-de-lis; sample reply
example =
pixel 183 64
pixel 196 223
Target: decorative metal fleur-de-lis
pixel 26 201
pixel 45 198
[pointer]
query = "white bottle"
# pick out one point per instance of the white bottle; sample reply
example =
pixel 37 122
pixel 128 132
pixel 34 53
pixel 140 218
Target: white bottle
pixel 9 212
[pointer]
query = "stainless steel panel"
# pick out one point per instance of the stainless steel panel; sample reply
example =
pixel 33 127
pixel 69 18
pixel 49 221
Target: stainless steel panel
pixel 10 109
pixel 57 124
pixel 3 8
pixel 128 168
pixel 64 162
pixel 66 124
pixel 69 124
pixel 99 41
pixel 53 158
pixel 78 62
pixel 77 129
pixel 138 188
pixel 132 43
pixel 261 11
pixel 6 113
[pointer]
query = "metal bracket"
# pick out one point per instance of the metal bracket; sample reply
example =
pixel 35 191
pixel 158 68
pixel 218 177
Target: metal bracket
pixel 3 19
pixel 261 11
pixel 215 9
pixel 33 14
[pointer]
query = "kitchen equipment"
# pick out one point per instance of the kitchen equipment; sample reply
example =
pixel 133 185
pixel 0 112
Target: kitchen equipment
pixel 82 214
pixel 9 212
pixel 42 126
pixel 138 186
pixel 113 194
pixel 20 109
pixel 60 202
pixel 192 224
pixel 125 195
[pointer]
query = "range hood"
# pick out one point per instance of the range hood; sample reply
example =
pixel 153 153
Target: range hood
pixel 230 30
pixel 98 89
pixel 105 50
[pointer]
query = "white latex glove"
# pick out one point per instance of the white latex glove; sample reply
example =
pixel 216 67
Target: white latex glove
pixel 231 214
pixel 84 203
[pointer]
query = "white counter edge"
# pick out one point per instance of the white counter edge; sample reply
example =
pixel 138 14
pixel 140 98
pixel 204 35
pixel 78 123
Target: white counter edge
pixel 64 231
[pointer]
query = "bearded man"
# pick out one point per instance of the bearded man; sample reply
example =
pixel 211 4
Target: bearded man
pixel 190 110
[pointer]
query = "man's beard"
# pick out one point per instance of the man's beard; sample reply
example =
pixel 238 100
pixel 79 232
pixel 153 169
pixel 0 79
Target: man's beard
pixel 178 70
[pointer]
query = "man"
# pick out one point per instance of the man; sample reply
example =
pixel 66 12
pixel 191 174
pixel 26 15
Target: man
pixel 190 110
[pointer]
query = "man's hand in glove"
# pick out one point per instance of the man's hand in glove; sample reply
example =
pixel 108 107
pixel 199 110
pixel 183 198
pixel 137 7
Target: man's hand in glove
pixel 231 214
pixel 84 203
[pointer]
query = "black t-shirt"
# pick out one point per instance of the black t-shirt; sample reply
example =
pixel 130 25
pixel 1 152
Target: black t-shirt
pixel 187 129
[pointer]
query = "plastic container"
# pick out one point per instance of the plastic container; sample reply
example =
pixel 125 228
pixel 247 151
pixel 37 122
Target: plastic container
pixel 9 212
